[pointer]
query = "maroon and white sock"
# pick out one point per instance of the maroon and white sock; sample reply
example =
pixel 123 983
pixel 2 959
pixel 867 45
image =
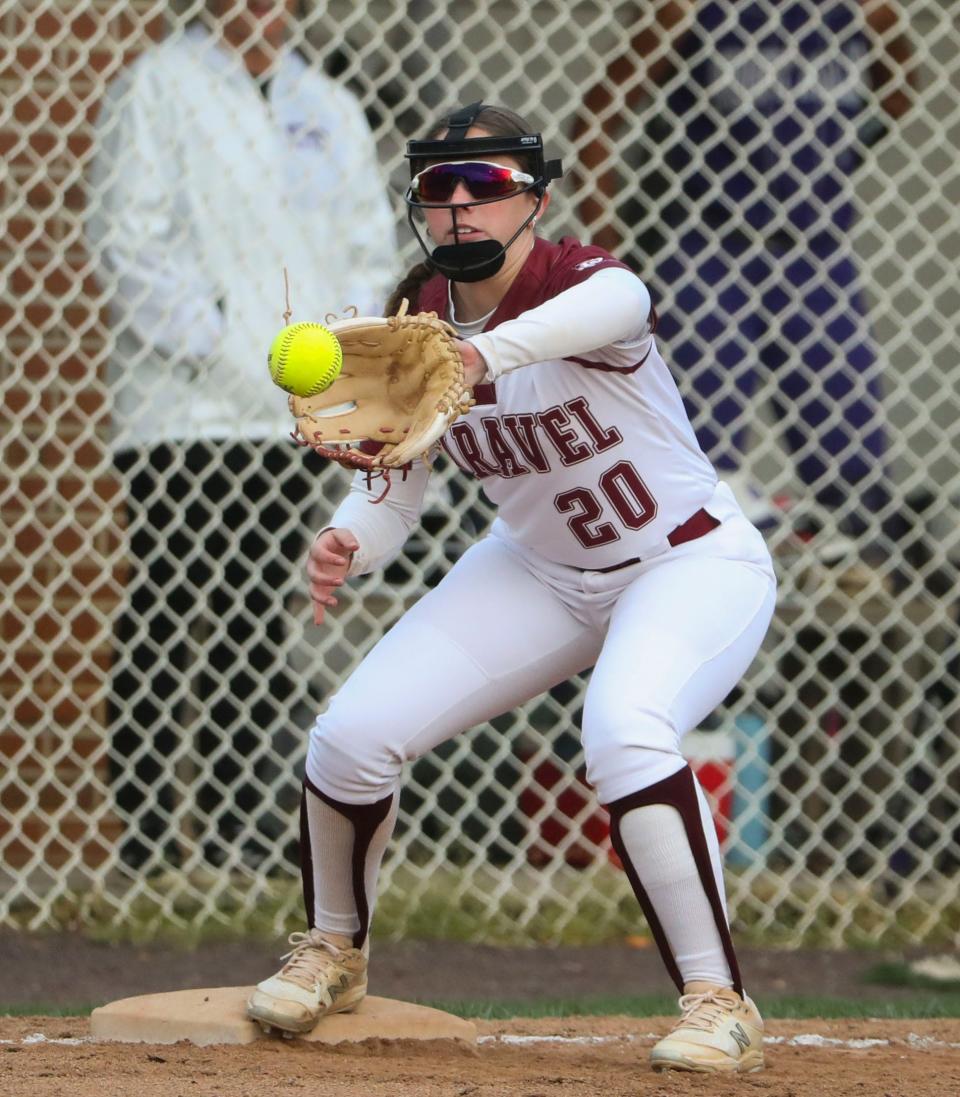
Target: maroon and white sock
pixel 665 837
pixel 341 848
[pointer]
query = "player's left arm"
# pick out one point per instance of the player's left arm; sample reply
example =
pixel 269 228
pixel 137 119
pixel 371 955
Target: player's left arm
pixel 895 74
pixel 612 306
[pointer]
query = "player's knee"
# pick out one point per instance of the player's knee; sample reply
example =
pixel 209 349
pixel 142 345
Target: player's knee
pixel 615 728
pixel 624 755
pixel 355 765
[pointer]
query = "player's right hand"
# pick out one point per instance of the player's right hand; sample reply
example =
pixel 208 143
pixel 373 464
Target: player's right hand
pixel 327 565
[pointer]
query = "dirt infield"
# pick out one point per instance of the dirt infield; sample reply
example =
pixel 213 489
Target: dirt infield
pixel 594 1056
pixel 604 1056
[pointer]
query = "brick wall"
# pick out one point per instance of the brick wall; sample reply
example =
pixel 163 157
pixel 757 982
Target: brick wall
pixel 61 568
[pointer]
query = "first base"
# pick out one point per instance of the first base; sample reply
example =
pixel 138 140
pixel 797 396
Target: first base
pixel 218 1016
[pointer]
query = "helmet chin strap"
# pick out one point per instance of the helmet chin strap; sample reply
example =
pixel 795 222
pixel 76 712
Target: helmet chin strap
pixel 472 260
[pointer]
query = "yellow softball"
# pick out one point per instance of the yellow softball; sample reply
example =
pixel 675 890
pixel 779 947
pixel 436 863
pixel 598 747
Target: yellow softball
pixel 305 359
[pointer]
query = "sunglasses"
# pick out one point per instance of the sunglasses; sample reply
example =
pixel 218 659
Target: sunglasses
pixel 486 182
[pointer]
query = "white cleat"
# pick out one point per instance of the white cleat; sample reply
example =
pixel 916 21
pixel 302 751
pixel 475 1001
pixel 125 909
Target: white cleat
pixel 718 1033
pixel 318 978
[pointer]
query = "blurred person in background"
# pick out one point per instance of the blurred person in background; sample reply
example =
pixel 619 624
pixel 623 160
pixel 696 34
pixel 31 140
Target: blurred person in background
pixel 743 215
pixel 222 157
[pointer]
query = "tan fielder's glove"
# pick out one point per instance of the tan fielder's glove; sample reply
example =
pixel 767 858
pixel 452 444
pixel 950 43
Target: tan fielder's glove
pixel 400 388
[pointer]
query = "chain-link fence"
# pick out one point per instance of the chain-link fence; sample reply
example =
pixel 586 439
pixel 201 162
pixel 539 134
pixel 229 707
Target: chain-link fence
pixel 785 178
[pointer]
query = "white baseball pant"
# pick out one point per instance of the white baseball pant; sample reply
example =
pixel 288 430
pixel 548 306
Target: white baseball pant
pixel 668 638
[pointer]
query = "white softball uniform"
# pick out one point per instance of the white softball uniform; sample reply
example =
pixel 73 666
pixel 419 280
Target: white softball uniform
pixel 595 470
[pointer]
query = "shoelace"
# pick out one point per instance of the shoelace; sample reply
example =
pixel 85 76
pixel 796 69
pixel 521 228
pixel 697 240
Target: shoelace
pixel 306 960
pixel 703 1011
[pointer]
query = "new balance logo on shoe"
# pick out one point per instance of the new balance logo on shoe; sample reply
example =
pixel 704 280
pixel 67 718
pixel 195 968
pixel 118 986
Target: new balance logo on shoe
pixel 336 989
pixel 740 1036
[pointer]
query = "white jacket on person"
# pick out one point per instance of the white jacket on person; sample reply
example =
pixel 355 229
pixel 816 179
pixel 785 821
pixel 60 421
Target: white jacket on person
pixel 201 191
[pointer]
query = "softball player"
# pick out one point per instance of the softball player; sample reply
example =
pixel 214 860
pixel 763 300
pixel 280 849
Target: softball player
pixel 614 548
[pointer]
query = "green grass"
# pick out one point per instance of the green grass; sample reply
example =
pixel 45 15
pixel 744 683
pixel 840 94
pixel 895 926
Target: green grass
pixel 453 904
pixel 899 975
pixel 44 1009
pixel 645 1005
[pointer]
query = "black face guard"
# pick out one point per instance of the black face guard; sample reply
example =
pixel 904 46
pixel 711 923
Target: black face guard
pixel 476 260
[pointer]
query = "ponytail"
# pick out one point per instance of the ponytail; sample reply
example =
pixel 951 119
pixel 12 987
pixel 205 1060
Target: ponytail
pixel 409 286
